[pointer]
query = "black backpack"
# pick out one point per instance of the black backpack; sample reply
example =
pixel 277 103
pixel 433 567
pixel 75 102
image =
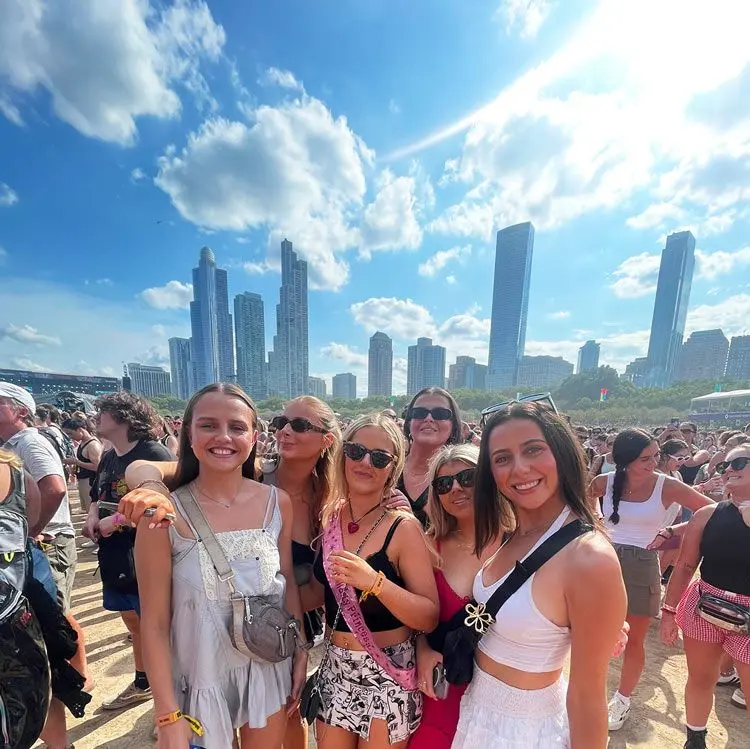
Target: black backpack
pixel 24 668
pixel 60 441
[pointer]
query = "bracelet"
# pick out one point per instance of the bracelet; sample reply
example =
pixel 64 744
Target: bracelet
pixel 669 609
pixel 374 589
pixel 173 717
pixel 157 482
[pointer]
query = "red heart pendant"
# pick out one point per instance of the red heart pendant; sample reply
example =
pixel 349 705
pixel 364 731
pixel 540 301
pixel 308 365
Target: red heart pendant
pixel 352 528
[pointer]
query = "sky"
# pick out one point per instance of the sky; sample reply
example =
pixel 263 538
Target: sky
pixel 389 142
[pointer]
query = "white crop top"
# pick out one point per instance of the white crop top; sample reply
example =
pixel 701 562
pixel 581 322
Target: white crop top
pixel 521 636
pixel 639 521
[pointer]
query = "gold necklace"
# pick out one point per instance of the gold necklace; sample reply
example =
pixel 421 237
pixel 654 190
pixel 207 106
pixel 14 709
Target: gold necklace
pixel 218 501
pixel 464 546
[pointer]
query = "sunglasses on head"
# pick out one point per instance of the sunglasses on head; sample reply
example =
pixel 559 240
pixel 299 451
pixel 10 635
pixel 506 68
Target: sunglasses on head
pixel 737 464
pixel 543 399
pixel 465 478
pixel 298 424
pixel 438 414
pixel 378 458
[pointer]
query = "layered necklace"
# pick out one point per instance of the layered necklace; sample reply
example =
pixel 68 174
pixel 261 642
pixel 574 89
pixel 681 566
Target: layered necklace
pixel 353 524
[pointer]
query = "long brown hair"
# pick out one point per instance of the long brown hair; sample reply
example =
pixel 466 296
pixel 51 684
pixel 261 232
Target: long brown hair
pixel 187 464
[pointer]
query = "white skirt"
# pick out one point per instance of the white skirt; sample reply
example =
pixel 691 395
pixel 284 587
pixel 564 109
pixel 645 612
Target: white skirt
pixel 494 714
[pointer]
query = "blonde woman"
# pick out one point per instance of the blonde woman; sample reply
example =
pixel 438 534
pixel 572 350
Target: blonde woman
pixel 376 570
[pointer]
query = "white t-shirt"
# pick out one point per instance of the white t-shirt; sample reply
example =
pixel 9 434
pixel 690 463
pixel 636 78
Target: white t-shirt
pixel 40 460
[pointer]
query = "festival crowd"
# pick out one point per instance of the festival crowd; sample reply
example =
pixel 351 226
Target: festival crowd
pixel 466 585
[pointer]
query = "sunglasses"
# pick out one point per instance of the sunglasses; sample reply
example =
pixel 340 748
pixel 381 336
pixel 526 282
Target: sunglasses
pixel 465 478
pixel 438 414
pixel 737 464
pixel 298 425
pixel 543 399
pixel 378 458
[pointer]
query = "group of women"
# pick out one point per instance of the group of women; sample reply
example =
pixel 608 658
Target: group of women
pixel 339 522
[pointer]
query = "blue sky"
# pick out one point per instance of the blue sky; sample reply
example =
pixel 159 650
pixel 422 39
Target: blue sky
pixel 388 141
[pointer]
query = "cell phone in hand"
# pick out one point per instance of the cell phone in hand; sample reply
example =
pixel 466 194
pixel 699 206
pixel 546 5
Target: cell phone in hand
pixel 439 682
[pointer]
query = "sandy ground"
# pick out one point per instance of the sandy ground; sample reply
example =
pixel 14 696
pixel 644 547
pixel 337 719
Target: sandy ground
pixel 655 722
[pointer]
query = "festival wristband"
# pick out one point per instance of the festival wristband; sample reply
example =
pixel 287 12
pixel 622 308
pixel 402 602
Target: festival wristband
pixel 669 609
pixel 374 589
pixel 173 717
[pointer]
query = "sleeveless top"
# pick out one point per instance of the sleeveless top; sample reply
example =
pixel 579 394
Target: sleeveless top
pixel 377 617
pixel 85 473
pixel 14 531
pixel 418 505
pixel 725 550
pixel 639 521
pixel 521 636
pixel 214 682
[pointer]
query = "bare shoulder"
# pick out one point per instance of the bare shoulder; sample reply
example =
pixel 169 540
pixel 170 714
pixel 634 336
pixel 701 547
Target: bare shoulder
pixel 408 531
pixel 598 484
pixel 592 557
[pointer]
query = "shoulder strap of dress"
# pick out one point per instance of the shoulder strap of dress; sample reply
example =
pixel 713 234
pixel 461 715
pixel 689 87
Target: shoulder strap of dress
pixel 391 531
pixel 271 505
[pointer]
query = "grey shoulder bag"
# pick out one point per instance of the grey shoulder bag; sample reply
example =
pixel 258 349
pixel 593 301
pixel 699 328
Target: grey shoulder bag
pixel 261 628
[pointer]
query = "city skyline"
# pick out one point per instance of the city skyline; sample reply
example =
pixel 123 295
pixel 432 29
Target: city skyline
pixel 245 124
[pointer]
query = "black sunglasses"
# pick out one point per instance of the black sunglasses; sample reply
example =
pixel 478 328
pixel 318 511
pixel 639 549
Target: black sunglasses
pixel 465 478
pixel 736 464
pixel 298 424
pixel 438 414
pixel 378 458
pixel 544 399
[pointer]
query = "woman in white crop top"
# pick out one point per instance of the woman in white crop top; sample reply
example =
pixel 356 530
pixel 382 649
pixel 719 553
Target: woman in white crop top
pixel 531 481
pixel 635 500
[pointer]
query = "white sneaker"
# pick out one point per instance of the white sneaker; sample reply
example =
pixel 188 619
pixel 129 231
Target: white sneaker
pixel 738 699
pixel 728 679
pixel 618 712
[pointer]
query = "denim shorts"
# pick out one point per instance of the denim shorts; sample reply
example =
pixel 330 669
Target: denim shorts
pixel 113 600
pixel 41 570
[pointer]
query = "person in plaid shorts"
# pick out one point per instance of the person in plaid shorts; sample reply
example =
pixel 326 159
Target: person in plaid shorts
pixel 717 538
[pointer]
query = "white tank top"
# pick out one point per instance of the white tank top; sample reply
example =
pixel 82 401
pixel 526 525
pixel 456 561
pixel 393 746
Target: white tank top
pixel 521 636
pixel 639 521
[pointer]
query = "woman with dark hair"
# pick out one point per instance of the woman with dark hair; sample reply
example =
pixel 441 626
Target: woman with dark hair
pixel 531 482
pixel 432 420
pixel 193 665
pixel 718 539
pixel 635 499
pixel 86 460
pixel 165 434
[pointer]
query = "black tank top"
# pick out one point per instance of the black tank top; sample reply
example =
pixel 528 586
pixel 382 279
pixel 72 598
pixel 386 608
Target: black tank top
pixel 725 548
pixel 376 616
pixel 85 473
pixel 418 505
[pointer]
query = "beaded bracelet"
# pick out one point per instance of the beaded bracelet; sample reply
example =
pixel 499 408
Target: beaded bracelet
pixel 156 482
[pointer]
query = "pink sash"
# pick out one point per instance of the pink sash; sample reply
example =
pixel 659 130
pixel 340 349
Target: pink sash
pixel 347 599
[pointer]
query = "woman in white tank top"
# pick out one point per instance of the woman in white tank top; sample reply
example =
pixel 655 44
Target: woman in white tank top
pixel 531 481
pixel 635 500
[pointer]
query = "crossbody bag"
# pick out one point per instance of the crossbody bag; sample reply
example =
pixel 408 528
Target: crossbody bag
pixel 722 613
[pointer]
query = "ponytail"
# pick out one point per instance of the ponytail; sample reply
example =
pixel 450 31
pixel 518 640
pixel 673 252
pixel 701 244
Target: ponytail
pixel 618 484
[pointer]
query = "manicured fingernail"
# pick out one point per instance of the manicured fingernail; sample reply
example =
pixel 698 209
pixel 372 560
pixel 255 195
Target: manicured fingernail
pixel 152 526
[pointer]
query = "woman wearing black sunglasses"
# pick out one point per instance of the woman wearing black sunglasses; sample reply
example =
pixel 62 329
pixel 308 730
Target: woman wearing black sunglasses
pixel 718 539
pixel 432 420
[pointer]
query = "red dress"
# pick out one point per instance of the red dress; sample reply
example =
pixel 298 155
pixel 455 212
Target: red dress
pixel 440 717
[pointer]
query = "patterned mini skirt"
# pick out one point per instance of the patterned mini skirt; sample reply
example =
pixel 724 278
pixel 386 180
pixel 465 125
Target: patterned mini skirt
pixel 355 690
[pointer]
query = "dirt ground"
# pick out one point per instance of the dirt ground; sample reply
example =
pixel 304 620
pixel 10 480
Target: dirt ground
pixel 655 722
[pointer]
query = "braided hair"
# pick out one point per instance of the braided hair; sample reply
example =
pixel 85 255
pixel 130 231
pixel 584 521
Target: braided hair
pixel 628 446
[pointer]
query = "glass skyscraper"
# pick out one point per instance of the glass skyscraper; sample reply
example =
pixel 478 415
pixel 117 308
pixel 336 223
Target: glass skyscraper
pixel 510 304
pixel 182 369
pixel 211 324
pixel 250 339
pixel 380 365
pixel 425 366
pixel 670 308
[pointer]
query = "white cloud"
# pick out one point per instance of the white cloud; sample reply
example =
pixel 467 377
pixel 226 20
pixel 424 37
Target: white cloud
pixel 527 16
pixel 711 265
pixel 390 221
pixel 401 318
pixel 450 279
pixel 346 354
pixel 296 170
pixel 29 365
pixel 259 269
pixel 27 334
pixel 173 295
pixel 137 175
pixel 732 315
pixel 8 196
pixel 636 276
pixel 435 263
pixel 657 215
pixel 104 65
pixel 282 79
pixel 562 314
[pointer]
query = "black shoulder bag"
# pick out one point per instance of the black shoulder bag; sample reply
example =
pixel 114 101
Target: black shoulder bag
pixel 461 634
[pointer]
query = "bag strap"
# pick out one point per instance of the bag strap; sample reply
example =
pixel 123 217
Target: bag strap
pixel 525 568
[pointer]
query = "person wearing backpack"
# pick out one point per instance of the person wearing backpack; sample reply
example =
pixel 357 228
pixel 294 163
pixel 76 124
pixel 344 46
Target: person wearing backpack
pixel 49 425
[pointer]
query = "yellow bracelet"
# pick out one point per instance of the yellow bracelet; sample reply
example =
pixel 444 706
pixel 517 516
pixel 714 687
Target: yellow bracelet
pixel 374 589
pixel 173 717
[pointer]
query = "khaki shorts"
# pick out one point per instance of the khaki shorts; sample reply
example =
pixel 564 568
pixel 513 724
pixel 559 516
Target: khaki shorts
pixel 642 576
pixel 62 555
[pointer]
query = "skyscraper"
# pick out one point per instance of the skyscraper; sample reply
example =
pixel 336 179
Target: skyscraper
pixel 703 356
pixel 344 386
pixel 380 365
pixel 289 365
pixel 148 381
pixel 425 366
pixel 466 374
pixel 211 323
pixel 250 339
pixel 588 356
pixel 670 307
pixel 738 361
pixel 316 386
pixel 182 369
pixel 510 304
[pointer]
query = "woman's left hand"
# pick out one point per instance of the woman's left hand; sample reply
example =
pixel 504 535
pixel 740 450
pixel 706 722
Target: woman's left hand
pixel 622 641
pixel 397 501
pixel 299 675
pixel 352 570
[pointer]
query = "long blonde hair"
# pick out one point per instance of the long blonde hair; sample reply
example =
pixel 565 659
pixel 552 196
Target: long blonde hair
pixel 10 459
pixel 441 522
pixel 337 497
